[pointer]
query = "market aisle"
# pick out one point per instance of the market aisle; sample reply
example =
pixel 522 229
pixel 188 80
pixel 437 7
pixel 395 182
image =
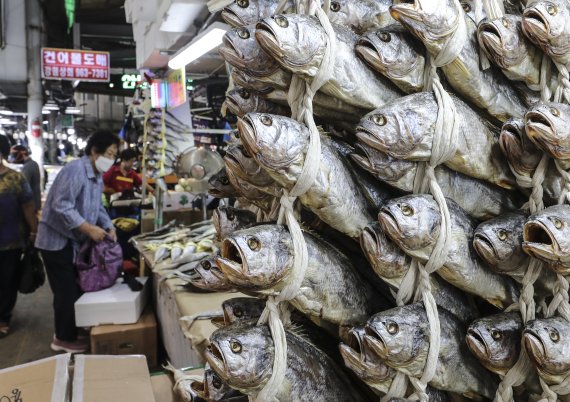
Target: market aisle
pixel 32 329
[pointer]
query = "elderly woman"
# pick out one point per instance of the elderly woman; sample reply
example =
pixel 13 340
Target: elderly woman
pixel 72 214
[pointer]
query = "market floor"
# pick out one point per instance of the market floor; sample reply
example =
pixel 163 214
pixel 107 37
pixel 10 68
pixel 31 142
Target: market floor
pixel 32 329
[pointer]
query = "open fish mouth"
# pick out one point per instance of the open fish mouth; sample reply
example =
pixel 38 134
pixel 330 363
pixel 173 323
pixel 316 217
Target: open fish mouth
pixel 247 135
pixel 267 39
pixel 363 162
pixel 536 24
pixel 539 241
pixel 219 322
pixel 232 263
pixel 199 388
pixel 534 347
pixel 406 11
pixel 352 358
pixel 233 106
pixel 369 242
pixel 477 344
pixel 231 17
pixel 486 249
pixel 375 343
pixel 370 139
pixel 538 122
pixel 215 359
pixel 366 49
pixel 389 223
pixel 232 54
pixel 492 42
pixel 233 164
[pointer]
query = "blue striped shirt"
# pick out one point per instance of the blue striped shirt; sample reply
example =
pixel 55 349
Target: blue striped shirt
pixel 74 198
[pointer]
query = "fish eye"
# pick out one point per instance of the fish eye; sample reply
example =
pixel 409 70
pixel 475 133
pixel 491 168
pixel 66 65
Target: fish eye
pixel 379 119
pixel 466 7
pixel 552 9
pixel 385 37
pixel 496 334
pixel 206 265
pixel 235 346
pixel 392 328
pixel 243 33
pixel 216 382
pixel 266 120
pixel 555 112
pixel 554 335
pixel 281 21
pixel 253 243
pixel 244 93
pixel 243 3
pixel 505 22
pixel 230 214
pixel 335 6
pixel 557 223
pixel 237 135
pixel 238 312
pixel 502 234
pixel 406 209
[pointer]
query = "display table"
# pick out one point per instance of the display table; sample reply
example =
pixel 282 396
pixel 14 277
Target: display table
pixel 184 344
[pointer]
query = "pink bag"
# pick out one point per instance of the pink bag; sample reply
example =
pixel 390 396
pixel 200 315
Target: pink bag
pixel 98 264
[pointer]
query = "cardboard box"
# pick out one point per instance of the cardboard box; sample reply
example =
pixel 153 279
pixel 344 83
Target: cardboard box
pixel 111 378
pixel 175 200
pixel 127 339
pixel 183 217
pixel 45 380
pixel 115 305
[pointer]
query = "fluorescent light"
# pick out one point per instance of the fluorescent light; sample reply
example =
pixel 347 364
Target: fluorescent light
pixel 210 39
pixel 7 122
pixel 70 131
pixel 45 111
pixel 51 106
pixel 6 112
pixel 72 110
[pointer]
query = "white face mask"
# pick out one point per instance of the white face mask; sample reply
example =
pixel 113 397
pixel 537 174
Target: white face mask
pixel 103 164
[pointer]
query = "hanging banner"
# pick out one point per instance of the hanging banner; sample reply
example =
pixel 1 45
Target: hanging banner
pixel 73 64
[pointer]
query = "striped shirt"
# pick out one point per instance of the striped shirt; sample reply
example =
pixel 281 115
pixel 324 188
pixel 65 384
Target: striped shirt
pixel 74 198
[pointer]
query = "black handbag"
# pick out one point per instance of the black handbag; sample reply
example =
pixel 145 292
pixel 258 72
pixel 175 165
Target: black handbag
pixel 32 274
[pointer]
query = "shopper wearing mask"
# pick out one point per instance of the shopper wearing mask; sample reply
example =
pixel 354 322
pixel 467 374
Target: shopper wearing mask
pixel 17 222
pixel 122 177
pixel 30 169
pixel 72 214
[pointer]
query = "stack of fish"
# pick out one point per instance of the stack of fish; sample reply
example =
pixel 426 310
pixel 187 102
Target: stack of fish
pixel 363 225
pixel 166 139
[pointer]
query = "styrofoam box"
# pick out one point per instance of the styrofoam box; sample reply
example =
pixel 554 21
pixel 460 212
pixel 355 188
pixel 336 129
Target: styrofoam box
pixel 115 305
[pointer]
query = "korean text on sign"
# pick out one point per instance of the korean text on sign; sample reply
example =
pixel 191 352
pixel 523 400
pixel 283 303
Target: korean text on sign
pixel 71 64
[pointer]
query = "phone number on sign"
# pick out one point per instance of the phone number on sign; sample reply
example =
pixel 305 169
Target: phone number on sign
pixel 75 72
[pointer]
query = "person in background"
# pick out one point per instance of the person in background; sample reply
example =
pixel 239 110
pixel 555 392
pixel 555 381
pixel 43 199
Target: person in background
pixel 72 214
pixel 31 171
pixel 18 221
pixel 122 176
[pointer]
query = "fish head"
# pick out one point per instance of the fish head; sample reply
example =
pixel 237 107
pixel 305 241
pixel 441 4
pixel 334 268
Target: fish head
pixel 242 308
pixel 399 128
pixel 241 101
pixel 245 80
pixel 360 359
pixel 297 41
pixel 503 41
pixel 241 50
pixel 210 277
pixel 546 236
pixel 244 12
pixel 547 23
pixel 399 336
pixel 277 143
pixel 382 165
pixel 522 154
pixel 498 242
pixel 227 220
pixel 386 258
pixel 547 126
pixel 495 341
pixel 258 257
pixel 389 52
pixel 240 162
pixel 197 391
pixel 411 221
pixel 214 388
pixel 351 13
pixel 431 21
pixel 547 343
pixel 220 186
pixel 242 355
